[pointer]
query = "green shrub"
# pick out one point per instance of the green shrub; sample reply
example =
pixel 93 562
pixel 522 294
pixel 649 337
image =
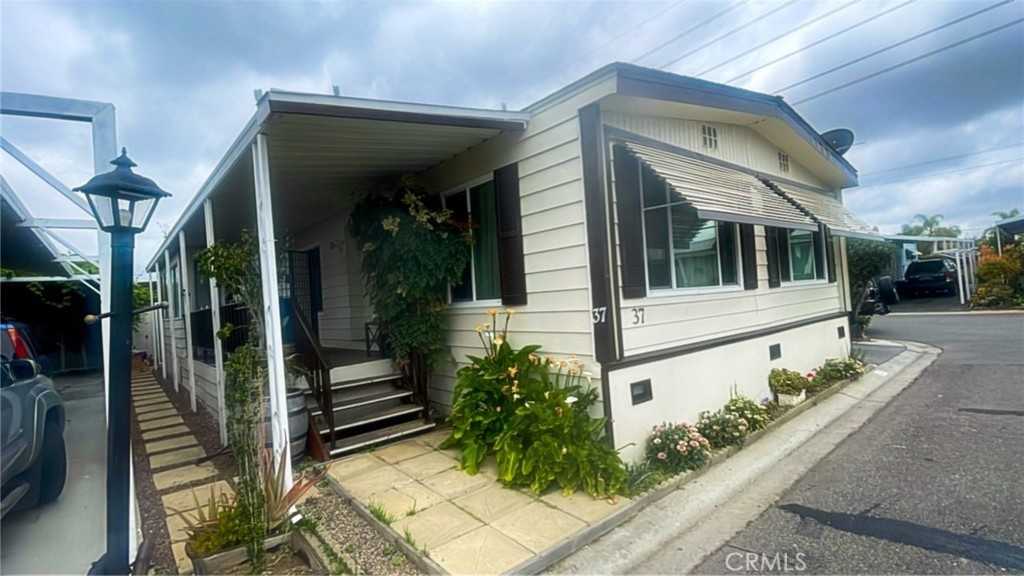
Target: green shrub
pixel 993 294
pixel 533 413
pixel 783 381
pixel 730 425
pixel 674 448
pixel 754 413
pixel 834 370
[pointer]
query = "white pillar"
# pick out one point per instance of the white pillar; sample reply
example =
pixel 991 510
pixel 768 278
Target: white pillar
pixel 999 243
pixel 271 305
pixel 186 306
pixel 960 276
pixel 152 320
pixel 160 317
pixel 176 376
pixel 218 347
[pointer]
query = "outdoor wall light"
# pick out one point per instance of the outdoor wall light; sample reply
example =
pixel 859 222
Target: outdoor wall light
pixel 122 203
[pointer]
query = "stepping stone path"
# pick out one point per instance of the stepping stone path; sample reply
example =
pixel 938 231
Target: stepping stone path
pixel 174 457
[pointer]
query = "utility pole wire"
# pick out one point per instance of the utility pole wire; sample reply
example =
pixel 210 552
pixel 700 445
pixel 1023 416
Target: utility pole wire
pixel 729 33
pixel 689 30
pixel 937 174
pixel 896 45
pixel 779 37
pixel 943 159
pixel 822 41
pixel 911 61
pixel 602 46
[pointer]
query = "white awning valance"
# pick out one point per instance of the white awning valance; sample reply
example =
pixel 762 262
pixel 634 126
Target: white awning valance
pixel 719 193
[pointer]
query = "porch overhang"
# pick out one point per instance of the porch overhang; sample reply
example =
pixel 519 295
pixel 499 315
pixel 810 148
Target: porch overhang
pixel 326 151
pixel 1012 226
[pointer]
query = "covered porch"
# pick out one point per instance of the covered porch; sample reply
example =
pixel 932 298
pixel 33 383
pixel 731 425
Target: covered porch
pixel 291 178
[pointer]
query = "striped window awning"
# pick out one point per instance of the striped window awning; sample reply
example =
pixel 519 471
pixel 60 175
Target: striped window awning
pixel 719 193
pixel 828 211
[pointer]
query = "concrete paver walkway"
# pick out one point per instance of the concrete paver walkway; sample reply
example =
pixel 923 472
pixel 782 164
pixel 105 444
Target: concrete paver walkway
pixel 173 451
pixel 467 524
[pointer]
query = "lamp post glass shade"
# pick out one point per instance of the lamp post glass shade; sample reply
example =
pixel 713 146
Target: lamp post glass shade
pixel 121 200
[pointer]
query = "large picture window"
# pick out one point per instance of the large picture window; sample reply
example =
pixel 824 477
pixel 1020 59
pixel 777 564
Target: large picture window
pixel 682 249
pixel 481 281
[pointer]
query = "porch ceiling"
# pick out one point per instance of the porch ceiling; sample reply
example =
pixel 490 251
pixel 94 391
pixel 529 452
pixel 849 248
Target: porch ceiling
pixel 320 165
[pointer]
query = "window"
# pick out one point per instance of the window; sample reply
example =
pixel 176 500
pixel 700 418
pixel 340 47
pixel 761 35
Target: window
pixel 800 255
pixel 709 134
pixel 481 281
pixel 783 162
pixel 683 250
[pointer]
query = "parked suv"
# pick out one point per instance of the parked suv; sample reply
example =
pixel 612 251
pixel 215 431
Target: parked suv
pixel 930 275
pixel 33 460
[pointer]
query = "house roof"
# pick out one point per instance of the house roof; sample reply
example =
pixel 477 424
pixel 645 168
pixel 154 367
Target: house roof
pixel 25 249
pixel 334 142
pixel 1014 225
pixel 769 115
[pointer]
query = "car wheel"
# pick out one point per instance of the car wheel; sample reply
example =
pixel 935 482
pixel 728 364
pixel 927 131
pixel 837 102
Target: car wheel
pixel 54 462
pixel 887 290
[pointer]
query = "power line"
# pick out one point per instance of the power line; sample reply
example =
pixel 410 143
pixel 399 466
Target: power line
pixel 727 34
pixel 697 26
pixel 937 174
pixel 891 46
pixel 602 46
pixel 911 61
pixel 822 41
pixel 779 37
pixel 943 159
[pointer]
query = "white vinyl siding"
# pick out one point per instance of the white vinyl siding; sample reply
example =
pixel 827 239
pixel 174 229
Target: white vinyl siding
pixel 736 144
pixel 557 315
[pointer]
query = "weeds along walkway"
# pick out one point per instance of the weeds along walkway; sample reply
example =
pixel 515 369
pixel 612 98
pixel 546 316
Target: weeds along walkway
pixel 170 465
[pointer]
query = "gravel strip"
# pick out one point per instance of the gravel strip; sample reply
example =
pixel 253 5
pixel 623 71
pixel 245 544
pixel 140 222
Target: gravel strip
pixel 338 522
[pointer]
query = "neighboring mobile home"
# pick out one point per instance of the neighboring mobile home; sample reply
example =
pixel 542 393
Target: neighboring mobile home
pixel 680 237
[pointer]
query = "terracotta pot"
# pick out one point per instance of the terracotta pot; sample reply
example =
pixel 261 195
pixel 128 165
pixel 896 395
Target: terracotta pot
pixel 224 560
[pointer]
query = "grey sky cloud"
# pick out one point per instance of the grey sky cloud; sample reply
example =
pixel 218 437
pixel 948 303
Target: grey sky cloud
pixel 182 74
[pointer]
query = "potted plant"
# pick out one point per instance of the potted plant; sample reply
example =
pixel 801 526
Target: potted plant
pixel 218 529
pixel 789 386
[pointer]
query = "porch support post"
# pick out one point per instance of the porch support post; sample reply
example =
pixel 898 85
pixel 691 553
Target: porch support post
pixel 999 243
pixel 961 276
pixel 271 306
pixel 186 305
pixel 174 337
pixel 218 346
pixel 152 320
pixel 160 316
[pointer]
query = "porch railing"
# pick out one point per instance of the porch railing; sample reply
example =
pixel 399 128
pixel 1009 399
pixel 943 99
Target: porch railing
pixel 308 347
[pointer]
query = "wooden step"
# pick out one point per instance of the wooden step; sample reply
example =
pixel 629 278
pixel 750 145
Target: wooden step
pixel 354 443
pixel 364 381
pixel 387 413
pixel 396 394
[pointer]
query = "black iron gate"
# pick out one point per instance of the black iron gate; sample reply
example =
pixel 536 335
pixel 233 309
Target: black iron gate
pixel 304 289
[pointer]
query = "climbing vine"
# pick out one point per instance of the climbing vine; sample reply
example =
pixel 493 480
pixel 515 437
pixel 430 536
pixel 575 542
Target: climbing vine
pixel 412 252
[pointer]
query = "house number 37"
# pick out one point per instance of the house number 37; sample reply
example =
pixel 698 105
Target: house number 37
pixel 638 316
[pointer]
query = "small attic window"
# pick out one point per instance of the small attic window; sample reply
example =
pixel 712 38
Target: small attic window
pixel 709 135
pixel 783 162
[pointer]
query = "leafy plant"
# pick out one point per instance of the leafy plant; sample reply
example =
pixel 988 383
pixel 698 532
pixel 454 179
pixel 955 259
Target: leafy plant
pixel 731 424
pixel 641 477
pixel 278 501
pixel 533 413
pixel 213 526
pixel 834 370
pixel 866 260
pixel 407 534
pixel 411 255
pixel 674 448
pixel 790 382
pixel 378 511
pixel 993 295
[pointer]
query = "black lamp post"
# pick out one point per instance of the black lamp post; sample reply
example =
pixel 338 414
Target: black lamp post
pixel 122 203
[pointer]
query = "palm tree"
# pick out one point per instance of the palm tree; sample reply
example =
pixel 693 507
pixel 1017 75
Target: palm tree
pixel 929 223
pixel 999 214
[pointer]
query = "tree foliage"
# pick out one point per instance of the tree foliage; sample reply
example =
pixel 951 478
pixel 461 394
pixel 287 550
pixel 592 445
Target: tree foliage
pixel 411 254
pixel 866 259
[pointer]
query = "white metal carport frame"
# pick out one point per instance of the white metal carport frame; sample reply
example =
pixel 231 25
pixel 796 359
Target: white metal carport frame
pixel 101 118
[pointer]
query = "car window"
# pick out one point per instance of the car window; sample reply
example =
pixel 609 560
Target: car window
pixel 927 267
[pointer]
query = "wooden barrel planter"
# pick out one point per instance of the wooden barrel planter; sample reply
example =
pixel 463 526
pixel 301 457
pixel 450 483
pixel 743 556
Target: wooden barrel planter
pixel 298 423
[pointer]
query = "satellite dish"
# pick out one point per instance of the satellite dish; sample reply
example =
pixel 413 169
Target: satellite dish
pixel 839 139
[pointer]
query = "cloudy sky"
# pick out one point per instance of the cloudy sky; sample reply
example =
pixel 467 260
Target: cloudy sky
pixel 934 91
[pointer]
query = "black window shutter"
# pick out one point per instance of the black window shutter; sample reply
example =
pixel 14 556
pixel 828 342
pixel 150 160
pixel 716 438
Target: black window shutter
pixel 630 211
pixel 748 251
pixel 510 236
pixel 772 240
pixel 819 252
pixel 830 254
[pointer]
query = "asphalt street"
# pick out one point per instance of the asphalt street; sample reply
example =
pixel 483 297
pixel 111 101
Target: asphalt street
pixel 930 485
pixel 66 536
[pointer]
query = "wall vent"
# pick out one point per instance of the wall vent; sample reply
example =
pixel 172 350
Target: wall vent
pixel 709 135
pixel 775 351
pixel 783 162
pixel 641 391
pixel 842 332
